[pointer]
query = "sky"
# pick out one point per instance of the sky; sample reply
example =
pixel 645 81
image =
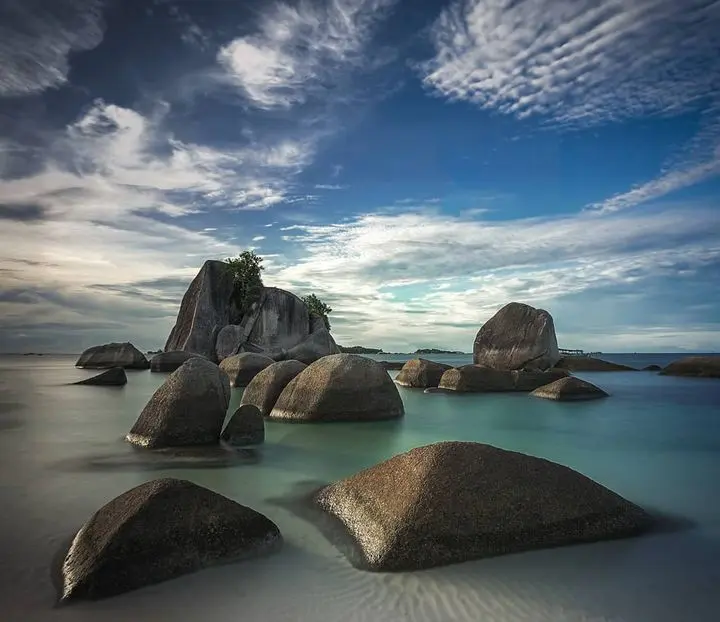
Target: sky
pixel 416 164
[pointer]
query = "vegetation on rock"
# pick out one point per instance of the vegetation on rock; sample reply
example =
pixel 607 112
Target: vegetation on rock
pixel 318 307
pixel 246 269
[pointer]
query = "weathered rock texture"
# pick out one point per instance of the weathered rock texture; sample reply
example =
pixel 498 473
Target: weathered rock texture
pixel 518 336
pixel 246 426
pixel 229 339
pixel 317 345
pixel 455 501
pixel 569 389
pixel 479 379
pixel 115 377
pixel 265 388
pixel 189 408
pixel 588 363
pixel 242 368
pixel 339 387
pixel 170 361
pixel 109 355
pixel 697 366
pixel 158 531
pixel 421 373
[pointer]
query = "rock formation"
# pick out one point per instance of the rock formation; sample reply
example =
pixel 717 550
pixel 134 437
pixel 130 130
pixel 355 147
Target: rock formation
pixel 109 355
pixel 114 377
pixel 189 408
pixel 242 368
pixel 265 388
pixel 246 427
pixel 456 501
pixel 158 531
pixel 170 361
pixel 588 363
pixel 569 389
pixel 339 387
pixel 517 337
pixel 317 345
pixel 421 373
pixel 479 379
pixel 697 366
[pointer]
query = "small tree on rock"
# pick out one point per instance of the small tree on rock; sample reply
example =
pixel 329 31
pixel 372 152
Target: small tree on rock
pixel 318 307
pixel 246 269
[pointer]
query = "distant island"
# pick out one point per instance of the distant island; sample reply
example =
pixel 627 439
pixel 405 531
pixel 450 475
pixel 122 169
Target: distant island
pixel 359 350
pixel 436 351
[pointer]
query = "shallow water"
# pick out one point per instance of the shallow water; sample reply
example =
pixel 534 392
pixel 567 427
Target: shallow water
pixel 656 441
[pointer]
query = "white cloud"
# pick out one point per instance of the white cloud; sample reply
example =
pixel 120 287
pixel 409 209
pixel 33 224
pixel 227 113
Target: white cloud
pixel 258 238
pixel 330 187
pixel 36 38
pixel 577 61
pixel 299 49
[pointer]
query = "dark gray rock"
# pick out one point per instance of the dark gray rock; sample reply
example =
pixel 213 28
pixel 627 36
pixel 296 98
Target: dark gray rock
pixel 421 373
pixel 455 501
pixel 518 336
pixel 158 531
pixel 316 346
pixel 265 388
pixel 170 361
pixel 115 377
pixel 652 368
pixel 588 363
pixel 339 387
pixel 114 354
pixel 569 389
pixel 694 366
pixel 392 365
pixel 246 427
pixel 480 379
pixel 242 368
pixel 228 341
pixel 189 408
pixel 283 321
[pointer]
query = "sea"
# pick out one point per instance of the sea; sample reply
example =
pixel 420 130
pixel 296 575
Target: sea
pixel 655 441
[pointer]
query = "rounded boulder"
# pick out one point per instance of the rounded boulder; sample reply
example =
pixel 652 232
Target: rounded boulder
pixel 242 368
pixel 265 388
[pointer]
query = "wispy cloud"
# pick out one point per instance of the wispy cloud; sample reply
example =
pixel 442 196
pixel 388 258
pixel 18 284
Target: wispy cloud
pixel 258 238
pixel 330 187
pixel 36 38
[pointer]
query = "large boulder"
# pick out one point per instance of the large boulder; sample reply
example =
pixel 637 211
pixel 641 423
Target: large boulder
pixel 518 336
pixel 189 408
pixel 282 322
pixel 339 387
pixel 265 388
pixel 697 366
pixel 115 377
pixel 588 363
pixel 228 340
pixel 110 355
pixel 421 373
pixel 158 531
pixel 456 501
pixel 170 361
pixel 569 389
pixel 246 427
pixel 206 308
pixel 242 368
pixel 480 379
pixel 316 346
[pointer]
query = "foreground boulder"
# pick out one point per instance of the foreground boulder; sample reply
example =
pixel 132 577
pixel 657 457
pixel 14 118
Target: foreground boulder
pixel 697 366
pixel 170 361
pixel 456 501
pixel 588 363
pixel 188 409
pixel 115 377
pixel 479 379
pixel 339 387
pixel 110 355
pixel 246 427
pixel 317 345
pixel 518 336
pixel 265 388
pixel 569 389
pixel 421 373
pixel 158 531
pixel 242 368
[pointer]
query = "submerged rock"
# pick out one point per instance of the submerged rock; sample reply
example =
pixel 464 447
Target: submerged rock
pixel 246 427
pixel 242 368
pixel 479 379
pixel 652 368
pixel 265 388
pixel 109 355
pixel 170 361
pixel 339 387
pixel 189 408
pixel 518 336
pixel 588 363
pixel 696 366
pixel 158 531
pixel 115 377
pixel 421 373
pixel 456 501
pixel 569 389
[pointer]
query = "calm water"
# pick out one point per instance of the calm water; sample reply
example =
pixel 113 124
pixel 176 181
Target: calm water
pixel 656 441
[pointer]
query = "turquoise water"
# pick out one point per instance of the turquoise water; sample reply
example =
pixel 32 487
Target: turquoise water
pixel 656 441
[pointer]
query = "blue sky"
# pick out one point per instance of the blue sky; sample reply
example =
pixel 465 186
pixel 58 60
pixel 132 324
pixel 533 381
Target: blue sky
pixel 416 164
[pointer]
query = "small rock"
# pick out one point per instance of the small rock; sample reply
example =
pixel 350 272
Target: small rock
pixel 694 366
pixel 569 389
pixel 114 354
pixel 421 373
pixel 115 377
pixel 246 427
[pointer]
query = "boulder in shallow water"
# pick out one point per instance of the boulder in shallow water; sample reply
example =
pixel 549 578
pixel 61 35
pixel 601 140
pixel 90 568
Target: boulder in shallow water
pixel 316 346
pixel 652 368
pixel 114 354
pixel 170 361
pixel 242 368
pixel 158 531
pixel 456 501
pixel 265 388
pixel 569 389
pixel 339 387
pixel 115 377
pixel 518 336
pixel 421 373
pixel 246 427
pixel 588 363
pixel 480 379
pixel 188 409
pixel 695 366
